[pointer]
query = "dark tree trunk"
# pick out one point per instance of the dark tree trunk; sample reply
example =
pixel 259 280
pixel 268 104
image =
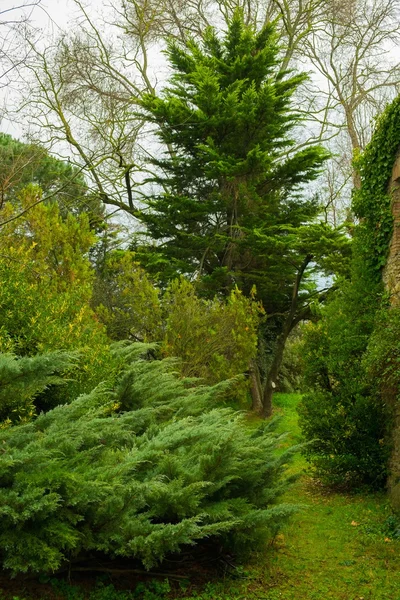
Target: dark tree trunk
pixel 272 376
pixel 256 389
pixel 291 320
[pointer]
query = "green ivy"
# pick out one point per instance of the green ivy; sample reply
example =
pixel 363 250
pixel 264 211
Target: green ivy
pixel 372 202
pixel 351 354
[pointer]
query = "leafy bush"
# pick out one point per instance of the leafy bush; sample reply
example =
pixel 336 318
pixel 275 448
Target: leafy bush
pixel 352 355
pixel 343 416
pixel 45 290
pixel 382 358
pixel 215 339
pixel 126 300
pixel 138 470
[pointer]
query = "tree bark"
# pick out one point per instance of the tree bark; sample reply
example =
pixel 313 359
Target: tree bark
pixel 288 325
pixel 273 376
pixel 256 389
pixel 355 144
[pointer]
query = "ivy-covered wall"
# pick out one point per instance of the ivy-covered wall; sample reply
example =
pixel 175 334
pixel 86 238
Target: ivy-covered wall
pixel 372 203
pixel 377 204
pixel 351 412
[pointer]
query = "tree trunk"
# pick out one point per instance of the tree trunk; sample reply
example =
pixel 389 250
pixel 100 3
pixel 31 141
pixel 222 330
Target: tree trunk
pixel 273 376
pixel 291 320
pixel 355 144
pixel 256 389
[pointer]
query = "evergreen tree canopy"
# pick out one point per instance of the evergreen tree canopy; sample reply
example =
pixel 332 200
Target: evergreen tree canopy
pixel 230 208
pixel 23 164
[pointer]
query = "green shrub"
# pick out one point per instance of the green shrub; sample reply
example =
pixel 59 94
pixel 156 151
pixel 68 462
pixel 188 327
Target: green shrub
pixel 126 300
pixel 381 361
pixel 138 470
pixel 342 416
pixel 21 380
pixel 214 339
pixel 45 291
pixel 351 356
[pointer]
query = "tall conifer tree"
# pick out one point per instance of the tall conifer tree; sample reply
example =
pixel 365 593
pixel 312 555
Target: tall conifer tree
pixel 230 209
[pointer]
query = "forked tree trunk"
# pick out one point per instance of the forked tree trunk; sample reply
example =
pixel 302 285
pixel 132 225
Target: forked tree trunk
pixel 272 376
pixel 256 389
pixel 291 320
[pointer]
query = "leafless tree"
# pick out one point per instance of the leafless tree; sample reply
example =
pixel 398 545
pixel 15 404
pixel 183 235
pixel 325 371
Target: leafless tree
pixel 11 17
pixel 354 53
pixel 87 84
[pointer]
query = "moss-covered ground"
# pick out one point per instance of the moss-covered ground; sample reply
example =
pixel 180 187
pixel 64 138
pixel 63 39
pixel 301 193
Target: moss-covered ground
pixel 338 546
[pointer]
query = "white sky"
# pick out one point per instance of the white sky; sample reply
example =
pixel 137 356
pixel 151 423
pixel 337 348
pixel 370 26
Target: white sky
pixel 49 16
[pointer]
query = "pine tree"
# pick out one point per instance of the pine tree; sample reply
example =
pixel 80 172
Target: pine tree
pixel 139 470
pixel 230 209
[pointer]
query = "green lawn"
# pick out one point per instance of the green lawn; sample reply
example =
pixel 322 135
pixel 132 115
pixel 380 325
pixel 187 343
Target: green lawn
pixel 339 546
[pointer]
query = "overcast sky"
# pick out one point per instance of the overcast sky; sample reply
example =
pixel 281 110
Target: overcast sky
pixel 51 17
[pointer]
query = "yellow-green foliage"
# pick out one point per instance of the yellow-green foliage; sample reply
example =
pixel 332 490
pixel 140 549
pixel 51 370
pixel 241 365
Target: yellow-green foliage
pixel 127 301
pixel 215 339
pixel 45 287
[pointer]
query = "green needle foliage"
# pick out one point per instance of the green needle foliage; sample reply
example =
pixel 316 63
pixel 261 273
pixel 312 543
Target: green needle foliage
pixel 228 205
pixel 140 470
pixel 23 379
pixel 24 164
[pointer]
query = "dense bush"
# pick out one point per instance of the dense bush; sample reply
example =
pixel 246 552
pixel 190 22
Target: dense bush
pixel 215 339
pixel 21 380
pixel 45 290
pixel 351 355
pixel 137 470
pixel 343 415
pixel 126 300
pixel 382 359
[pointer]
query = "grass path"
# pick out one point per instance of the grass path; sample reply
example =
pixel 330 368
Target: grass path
pixel 339 547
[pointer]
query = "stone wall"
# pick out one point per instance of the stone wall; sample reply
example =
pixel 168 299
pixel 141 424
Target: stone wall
pixel 391 279
pixel 391 273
